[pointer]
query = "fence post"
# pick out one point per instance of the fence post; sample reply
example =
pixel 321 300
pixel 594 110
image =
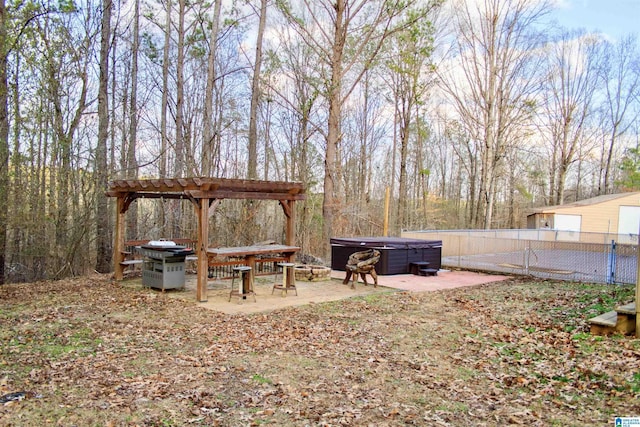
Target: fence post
pixel 638 287
pixel 611 264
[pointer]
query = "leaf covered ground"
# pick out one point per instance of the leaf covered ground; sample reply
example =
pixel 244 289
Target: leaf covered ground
pixel 90 352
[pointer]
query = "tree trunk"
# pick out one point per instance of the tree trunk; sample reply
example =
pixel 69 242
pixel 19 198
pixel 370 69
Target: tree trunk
pixel 20 198
pixel 103 235
pixel 161 215
pixel 132 162
pixel 405 120
pixel 164 108
pixel 252 171
pixel 179 167
pixel 208 119
pixel 181 149
pixel 330 205
pixel 4 140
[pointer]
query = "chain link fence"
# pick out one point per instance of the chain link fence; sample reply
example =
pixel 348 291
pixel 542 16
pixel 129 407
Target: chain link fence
pixel 539 253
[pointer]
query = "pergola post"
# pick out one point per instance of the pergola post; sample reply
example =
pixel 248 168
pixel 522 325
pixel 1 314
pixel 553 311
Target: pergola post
pixel 289 208
pixel 202 267
pixel 118 244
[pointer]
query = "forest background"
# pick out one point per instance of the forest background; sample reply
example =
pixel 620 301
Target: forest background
pixel 468 112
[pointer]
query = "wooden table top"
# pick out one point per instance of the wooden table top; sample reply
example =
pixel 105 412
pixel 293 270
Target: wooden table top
pixel 252 250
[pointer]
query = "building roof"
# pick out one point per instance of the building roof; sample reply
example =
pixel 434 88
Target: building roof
pixel 586 202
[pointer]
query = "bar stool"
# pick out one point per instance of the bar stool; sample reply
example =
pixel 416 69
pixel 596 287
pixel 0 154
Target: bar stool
pixel 287 269
pixel 245 285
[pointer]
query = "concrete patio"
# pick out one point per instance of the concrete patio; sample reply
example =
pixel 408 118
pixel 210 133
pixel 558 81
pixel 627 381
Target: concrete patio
pixel 323 291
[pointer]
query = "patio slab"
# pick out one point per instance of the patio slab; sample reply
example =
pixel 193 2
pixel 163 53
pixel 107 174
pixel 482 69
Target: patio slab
pixel 446 279
pixel 324 291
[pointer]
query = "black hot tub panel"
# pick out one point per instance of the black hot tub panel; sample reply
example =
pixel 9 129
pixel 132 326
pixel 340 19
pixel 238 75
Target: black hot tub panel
pixel 396 253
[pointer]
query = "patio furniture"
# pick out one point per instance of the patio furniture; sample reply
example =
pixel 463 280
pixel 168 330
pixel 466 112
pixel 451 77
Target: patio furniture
pixel 245 283
pixel 287 269
pixel 362 263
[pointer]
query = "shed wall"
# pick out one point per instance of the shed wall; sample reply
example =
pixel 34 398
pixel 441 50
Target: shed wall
pixel 601 217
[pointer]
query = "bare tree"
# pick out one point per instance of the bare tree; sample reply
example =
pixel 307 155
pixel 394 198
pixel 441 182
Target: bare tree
pixel 179 147
pixel 621 83
pixel 570 82
pixel 491 82
pixel 69 67
pixel 408 57
pixel 346 36
pixel 293 86
pixel 252 162
pixel 164 106
pixel 208 134
pixel 103 235
pixel 132 162
pixel 4 139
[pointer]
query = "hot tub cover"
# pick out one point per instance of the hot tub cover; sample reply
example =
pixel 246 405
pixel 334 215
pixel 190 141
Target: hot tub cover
pixel 385 242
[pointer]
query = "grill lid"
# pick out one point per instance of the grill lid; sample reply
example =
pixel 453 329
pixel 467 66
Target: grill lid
pixel 162 243
pixel 164 248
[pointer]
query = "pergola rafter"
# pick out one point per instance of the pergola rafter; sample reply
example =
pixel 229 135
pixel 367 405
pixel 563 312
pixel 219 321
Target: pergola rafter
pixel 204 193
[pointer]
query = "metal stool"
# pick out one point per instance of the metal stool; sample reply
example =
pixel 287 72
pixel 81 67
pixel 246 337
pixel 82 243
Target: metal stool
pixel 287 268
pixel 245 285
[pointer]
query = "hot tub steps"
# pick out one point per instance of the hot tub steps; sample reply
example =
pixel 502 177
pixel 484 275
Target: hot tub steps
pixel 428 272
pixel 622 320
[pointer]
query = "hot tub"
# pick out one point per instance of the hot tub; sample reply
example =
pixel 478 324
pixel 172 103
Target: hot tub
pixel 396 253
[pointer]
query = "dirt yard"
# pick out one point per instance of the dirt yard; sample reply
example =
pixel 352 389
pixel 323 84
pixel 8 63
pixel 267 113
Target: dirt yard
pixel 89 352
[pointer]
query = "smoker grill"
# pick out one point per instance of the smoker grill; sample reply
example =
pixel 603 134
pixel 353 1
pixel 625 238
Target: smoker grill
pixel 164 265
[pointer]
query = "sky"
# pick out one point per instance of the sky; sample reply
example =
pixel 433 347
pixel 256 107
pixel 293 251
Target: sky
pixel 614 18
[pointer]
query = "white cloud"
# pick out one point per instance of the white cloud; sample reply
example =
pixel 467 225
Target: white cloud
pixel 561 4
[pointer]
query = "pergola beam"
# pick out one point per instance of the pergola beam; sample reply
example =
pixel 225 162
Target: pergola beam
pixel 206 184
pixel 227 194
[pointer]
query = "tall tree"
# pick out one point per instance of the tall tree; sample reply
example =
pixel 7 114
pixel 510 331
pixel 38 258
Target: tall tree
pixel 103 235
pixel 491 82
pixel 4 139
pixel 179 166
pixel 131 163
pixel 69 54
pixel 570 82
pixel 621 82
pixel 409 54
pixel 161 215
pixel 347 36
pixel 298 104
pixel 208 134
pixel 252 162
pixel 164 104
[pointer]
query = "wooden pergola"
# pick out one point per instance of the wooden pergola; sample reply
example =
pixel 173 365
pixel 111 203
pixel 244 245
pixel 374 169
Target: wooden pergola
pixel 204 193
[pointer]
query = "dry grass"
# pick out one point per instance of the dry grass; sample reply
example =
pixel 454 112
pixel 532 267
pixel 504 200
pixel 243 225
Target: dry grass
pixel 90 352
